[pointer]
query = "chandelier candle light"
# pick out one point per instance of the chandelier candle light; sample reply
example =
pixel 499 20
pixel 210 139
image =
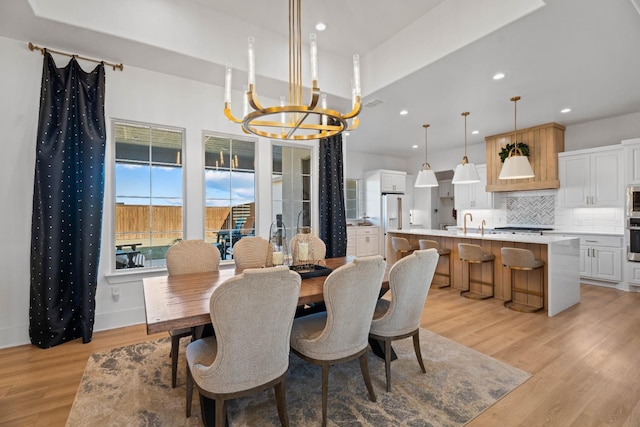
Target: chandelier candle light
pixel 426 177
pixel 293 120
pixel 516 166
pixel 465 172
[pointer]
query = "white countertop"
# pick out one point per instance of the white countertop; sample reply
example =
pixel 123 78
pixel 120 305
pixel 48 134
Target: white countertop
pixel 474 234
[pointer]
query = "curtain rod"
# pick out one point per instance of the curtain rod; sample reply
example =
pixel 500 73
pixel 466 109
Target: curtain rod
pixel 33 47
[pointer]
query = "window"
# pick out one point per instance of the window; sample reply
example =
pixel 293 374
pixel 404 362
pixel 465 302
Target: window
pixel 291 187
pixel 148 193
pixel 230 203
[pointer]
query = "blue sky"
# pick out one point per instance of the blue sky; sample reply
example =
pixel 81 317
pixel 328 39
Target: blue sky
pixel 134 185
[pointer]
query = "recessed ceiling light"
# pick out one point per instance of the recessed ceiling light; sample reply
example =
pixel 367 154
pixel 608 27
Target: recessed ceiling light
pixel 475 132
pixel 404 112
pixel 321 26
pixel 414 146
pixel 498 76
pixel 565 110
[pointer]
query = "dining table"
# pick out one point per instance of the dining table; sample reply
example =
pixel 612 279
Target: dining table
pixel 182 301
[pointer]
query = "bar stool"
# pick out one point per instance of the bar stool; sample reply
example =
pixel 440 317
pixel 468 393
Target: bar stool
pixel 402 245
pixel 522 259
pixel 473 254
pixel 443 252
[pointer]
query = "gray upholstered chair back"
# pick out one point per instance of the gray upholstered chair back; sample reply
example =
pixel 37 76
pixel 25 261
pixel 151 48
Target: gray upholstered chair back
pixel 409 282
pixel 350 293
pixel 252 314
pixel 192 256
pixel 473 253
pixel 519 258
pixel 428 244
pixel 400 244
pixel 317 248
pixel 253 252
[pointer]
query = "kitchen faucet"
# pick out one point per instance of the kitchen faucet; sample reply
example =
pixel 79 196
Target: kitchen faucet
pixel 464 229
pixel 482 226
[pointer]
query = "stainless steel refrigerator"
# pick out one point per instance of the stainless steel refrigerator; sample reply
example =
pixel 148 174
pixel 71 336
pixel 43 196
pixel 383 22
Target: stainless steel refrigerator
pixel 394 215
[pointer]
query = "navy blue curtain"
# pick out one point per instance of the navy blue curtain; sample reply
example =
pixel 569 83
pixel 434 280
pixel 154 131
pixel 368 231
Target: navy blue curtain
pixel 67 204
pixel 333 223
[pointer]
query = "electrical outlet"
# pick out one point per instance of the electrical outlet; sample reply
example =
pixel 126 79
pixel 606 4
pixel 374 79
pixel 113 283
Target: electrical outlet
pixel 115 293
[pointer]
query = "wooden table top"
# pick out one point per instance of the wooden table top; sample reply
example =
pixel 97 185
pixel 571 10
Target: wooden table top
pixel 182 301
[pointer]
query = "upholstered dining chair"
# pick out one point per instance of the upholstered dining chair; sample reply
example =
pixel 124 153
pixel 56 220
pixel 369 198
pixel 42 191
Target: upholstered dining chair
pixel 317 248
pixel 188 256
pixel 409 282
pixel 341 333
pixel 250 350
pixel 252 252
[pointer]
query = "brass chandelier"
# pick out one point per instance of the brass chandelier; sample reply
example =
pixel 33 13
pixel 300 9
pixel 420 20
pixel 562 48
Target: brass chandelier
pixel 293 120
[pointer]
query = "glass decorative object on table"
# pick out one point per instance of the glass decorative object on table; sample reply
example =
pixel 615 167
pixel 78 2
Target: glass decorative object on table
pixel 278 241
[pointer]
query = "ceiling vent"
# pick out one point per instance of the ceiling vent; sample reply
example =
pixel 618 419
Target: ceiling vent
pixel 373 103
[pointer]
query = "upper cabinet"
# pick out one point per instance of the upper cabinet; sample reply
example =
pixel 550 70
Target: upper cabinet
pixel 592 178
pixel 544 141
pixel 632 156
pixel 393 182
pixel 445 189
pixel 474 196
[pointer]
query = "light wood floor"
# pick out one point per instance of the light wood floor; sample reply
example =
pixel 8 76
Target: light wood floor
pixel 585 362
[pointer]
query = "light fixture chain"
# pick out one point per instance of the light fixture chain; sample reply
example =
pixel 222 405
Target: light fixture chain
pixel 426 146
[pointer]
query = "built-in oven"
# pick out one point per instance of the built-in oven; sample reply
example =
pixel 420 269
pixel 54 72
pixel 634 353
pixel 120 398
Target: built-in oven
pixel 633 201
pixel 633 223
pixel 633 239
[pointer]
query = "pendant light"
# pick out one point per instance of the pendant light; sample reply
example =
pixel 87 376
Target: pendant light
pixel 426 177
pixel 516 166
pixel 465 172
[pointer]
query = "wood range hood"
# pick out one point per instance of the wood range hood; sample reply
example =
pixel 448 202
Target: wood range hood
pixel 544 141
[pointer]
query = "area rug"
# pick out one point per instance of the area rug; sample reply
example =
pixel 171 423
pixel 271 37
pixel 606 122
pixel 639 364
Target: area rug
pixel 132 386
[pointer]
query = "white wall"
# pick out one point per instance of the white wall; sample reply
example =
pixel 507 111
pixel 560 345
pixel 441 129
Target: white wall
pixel 602 132
pixel 133 94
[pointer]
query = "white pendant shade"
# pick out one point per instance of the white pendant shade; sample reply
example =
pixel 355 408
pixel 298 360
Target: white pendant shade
pixel 426 178
pixel 516 167
pixel 465 173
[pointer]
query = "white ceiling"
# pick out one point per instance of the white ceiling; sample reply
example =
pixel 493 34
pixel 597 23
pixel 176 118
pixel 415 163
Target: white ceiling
pixel 582 54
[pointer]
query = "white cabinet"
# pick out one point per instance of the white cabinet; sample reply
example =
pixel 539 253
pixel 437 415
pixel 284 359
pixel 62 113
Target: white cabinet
pixel 363 241
pixel 632 156
pixel 591 178
pixel 392 182
pixel 601 257
pixel 474 196
pixel 445 189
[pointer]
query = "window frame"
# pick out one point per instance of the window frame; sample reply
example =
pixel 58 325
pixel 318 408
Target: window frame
pixel 256 197
pixel 313 183
pixel 112 270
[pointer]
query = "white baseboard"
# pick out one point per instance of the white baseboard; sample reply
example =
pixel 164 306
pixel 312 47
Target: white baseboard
pixel 19 335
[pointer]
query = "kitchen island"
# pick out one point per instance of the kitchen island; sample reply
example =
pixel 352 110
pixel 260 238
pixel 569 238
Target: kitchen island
pixel 561 255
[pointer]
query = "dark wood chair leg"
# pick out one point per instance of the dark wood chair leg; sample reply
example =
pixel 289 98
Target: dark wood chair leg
pixel 281 403
pixel 189 392
pixel 175 346
pixel 221 413
pixel 416 347
pixel 325 392
pixel 364 367
pixel 387 363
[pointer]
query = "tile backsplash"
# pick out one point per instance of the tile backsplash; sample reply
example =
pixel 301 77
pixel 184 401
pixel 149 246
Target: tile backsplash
pixel 533 210
pixel 539 208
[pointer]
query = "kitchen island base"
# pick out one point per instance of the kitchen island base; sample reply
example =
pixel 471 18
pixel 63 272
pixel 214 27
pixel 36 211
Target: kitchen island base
pixel 560 274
